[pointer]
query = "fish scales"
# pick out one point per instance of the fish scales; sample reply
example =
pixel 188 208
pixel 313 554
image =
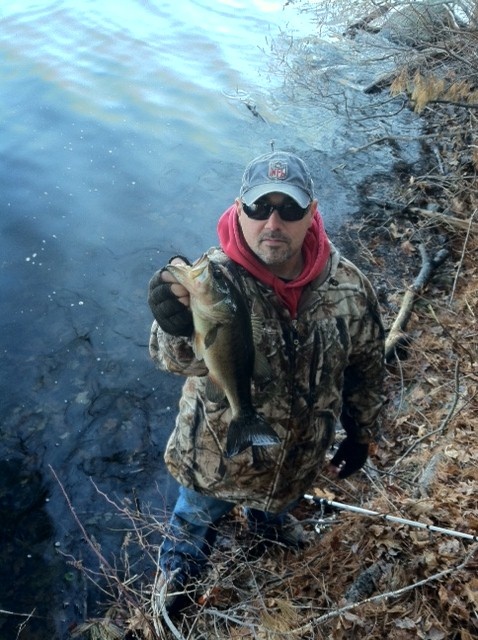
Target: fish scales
pixel 223 338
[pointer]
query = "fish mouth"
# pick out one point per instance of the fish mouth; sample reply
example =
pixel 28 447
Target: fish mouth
pixel 197 271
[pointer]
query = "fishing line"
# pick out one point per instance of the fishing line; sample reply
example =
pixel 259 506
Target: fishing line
pixel 385 516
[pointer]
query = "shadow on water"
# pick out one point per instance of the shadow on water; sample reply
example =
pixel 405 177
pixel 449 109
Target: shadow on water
pixel 88 431
pixel 25 539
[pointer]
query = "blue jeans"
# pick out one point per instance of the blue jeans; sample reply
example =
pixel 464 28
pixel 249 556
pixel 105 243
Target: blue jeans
pixel 192 533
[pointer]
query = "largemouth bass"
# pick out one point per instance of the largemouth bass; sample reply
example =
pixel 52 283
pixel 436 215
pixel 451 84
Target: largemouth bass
pixel 223 338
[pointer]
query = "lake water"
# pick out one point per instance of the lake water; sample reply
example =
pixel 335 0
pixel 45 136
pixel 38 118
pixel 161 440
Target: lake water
pixel 125 130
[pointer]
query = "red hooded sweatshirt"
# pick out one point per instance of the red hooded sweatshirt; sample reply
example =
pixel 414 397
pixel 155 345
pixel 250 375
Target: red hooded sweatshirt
pixel 315 252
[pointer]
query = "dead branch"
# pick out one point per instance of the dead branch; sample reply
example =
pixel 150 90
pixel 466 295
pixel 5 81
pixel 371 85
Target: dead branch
pixel 463 105
pixel 159 609
pixel 390 139
pixel 397 334
pixel 385 80
pixel 443 218
pixel 398 592
pixel 3 612
pixel 452 221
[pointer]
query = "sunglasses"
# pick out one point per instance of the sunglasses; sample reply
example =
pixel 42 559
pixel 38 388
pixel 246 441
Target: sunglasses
pixel 289 210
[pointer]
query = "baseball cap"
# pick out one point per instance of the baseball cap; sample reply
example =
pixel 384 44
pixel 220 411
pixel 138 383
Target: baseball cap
pixel 278 171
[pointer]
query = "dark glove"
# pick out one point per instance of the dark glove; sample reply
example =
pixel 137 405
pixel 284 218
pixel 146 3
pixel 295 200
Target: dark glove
pixel 353 454
pixel 172 315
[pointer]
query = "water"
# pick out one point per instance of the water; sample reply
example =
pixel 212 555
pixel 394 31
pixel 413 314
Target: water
pixel 125 131
pixel 124 136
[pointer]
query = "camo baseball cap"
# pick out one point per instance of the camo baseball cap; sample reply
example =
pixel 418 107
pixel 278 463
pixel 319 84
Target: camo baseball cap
pixel 280 172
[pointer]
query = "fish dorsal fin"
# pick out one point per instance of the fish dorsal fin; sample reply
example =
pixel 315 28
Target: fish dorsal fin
pixel 214 393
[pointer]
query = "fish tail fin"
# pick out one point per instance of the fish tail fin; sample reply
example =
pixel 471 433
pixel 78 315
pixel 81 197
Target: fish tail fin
pixel 248 430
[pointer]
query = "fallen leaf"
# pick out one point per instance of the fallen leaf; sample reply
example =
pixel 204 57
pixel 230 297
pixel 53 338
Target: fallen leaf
pixel 405 623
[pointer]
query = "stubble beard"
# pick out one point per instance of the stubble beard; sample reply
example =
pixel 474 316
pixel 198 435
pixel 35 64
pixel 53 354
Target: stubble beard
pixel 273 255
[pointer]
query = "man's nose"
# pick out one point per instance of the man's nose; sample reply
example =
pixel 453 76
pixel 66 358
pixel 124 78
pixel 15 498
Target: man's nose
pixel 274 220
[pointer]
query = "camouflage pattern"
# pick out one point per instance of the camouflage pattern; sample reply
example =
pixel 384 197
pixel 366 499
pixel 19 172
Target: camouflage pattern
pixel 327 361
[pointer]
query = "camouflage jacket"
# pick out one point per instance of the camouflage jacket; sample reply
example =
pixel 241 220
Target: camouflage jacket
pixel 327 363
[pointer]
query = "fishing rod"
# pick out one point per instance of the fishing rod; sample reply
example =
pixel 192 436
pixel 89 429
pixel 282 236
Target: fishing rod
pixel 411 523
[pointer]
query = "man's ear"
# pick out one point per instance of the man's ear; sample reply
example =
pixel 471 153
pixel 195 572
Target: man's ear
pixel 312 209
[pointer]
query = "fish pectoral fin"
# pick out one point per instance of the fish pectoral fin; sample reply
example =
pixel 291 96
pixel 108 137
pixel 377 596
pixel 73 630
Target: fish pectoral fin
pixel 262 368
pixel 211 335
pixel 247 431
pixel 257 328
pixel 213 391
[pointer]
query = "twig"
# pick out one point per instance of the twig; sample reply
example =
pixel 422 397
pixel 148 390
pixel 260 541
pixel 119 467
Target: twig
pixel 470 224
pixel 444 422
pixel 402 387
pixel 226 616
pixel 397 331
pixel 451 411
pixel 172 627
pixel 85 534
pixel 399 592
pixel 386 139
pixel 444 218
pixel 3 612
pixel 452 221
pixel 459 346
pixel 158 605
pixel 23 625
pixel 436 153
pixel 112 574
pixel 465 105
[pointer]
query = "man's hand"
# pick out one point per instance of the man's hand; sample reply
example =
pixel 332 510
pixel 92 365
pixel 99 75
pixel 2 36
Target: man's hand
pixel 350 457
pixel 169 302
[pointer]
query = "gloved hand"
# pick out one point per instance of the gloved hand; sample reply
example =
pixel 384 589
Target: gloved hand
pixel 353 454
pixel 173 316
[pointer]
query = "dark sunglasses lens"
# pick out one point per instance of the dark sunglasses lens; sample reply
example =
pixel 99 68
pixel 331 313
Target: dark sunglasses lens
pixel 257 210
pixel 289 212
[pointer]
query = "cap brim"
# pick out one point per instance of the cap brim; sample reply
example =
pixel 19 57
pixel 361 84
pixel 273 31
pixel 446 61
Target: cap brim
pixel 301 197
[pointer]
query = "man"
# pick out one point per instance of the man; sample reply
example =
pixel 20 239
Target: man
pixel 322 335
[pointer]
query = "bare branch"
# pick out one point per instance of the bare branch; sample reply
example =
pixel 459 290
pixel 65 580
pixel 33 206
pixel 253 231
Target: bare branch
pixel 399 592
pixel 397 331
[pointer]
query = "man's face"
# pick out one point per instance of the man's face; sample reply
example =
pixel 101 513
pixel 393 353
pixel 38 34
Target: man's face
pixel 276 242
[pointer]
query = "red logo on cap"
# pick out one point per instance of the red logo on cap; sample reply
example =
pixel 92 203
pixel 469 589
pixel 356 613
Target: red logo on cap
pixel 277 170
